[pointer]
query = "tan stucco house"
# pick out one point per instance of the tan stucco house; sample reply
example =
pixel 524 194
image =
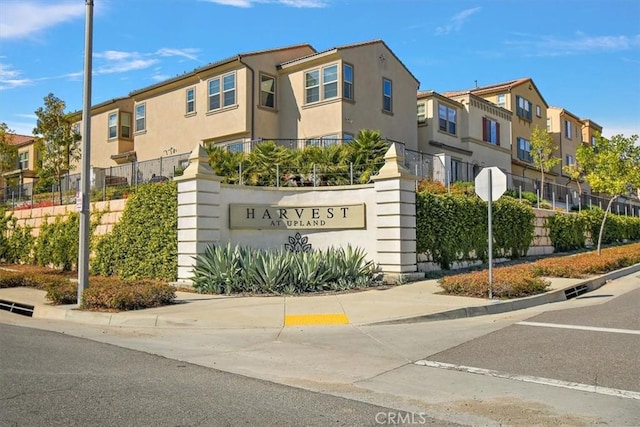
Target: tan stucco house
pixel 25 168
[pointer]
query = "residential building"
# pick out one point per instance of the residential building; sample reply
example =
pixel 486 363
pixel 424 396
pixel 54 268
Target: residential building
pixel 529 108
pixel 294 95
pixel 590 131
pixel 466 131
pixel 25 167
pixel 566 130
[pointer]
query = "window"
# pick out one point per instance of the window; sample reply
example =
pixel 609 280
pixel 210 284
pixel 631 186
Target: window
pixel 125 125
pixel 447 119
pixel 267 91
pixel 329 83
pixel 567 129
pixel 538 111
pixel 569 160
pixel 593 141
pixel 312 86
pixel 141 117
pixel 113 125
pixel 229 90
pixel 191 100
pixel 23 160
pixel 422 112
pixel 490 131
pixel 523 109
pixel 323 141
pixel 524 150
pixel 387 95
pixel 502 100
pixel 347 82
pixel 347 137
pixel 548 124
pixel 226 84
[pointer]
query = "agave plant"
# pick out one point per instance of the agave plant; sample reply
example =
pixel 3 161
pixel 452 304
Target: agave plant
pixel 216 271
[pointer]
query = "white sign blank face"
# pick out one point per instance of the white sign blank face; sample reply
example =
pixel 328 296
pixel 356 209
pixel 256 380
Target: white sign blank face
pixel 498 183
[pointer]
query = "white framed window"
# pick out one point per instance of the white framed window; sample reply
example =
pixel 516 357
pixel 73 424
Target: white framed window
pixel 112 124
pixel 222 91
pixel 190 100
pixel 490 131
pixel 312 86
pixel 347 81
pixel 141 117
pixel 387 95
pixel 569 160
pixel 422 112
pixel 125 125
pixel 548 124
pixel 567 129
pixel 501 100
pixel 593 141
pixel 325 78
pixel 447 119
pixel 267 91
pixel 23 160
pixel 538 111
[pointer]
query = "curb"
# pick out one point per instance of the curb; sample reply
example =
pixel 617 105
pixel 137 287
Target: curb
pixel 498 307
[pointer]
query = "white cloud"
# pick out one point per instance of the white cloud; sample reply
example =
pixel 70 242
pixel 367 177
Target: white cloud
pixel 290 3
pixel 25 18
pixel 124 66
pixel 535 45
pixel 456 23
pixel 186 53
pixel 10 78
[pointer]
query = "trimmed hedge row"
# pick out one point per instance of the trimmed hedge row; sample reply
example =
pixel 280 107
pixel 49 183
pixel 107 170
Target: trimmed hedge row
pixel 568 231
pixel 454 227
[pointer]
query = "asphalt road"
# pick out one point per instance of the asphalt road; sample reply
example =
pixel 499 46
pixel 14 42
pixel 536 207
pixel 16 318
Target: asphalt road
pixel 49 379
pixel 575 350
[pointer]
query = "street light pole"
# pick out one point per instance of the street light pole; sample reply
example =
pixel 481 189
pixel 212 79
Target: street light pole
pixel 83 249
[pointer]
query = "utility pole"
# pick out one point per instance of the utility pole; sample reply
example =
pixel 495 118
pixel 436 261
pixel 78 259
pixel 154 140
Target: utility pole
pixel 83 204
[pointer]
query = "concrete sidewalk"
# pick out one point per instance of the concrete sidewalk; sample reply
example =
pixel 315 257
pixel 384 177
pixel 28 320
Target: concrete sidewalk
pixel 409 303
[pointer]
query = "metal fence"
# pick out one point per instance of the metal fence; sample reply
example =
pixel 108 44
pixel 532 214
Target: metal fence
pixel 114 182
pixel 117 181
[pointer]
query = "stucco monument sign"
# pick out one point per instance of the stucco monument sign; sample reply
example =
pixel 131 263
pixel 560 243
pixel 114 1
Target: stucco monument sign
pixel 491 183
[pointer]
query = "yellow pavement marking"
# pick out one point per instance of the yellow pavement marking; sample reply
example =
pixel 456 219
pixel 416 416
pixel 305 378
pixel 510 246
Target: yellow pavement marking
pixel 316 319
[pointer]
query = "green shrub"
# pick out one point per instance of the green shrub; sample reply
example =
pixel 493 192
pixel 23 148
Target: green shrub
pixel 18 245
pixel 57 243
pixel 115 294
pixel 227 269
pixel 144 244
pixel 566 231
pixel 453 227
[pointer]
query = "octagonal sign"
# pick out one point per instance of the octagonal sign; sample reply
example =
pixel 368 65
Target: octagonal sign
pixel 498 183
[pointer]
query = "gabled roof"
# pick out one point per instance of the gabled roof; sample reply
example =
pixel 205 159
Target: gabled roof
pixel 344 47
pixel 497 88
pixel 20 140
pixel 566 112
pixel 591 123
pixel 217 64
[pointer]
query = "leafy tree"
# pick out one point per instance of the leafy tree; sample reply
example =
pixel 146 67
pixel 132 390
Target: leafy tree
pixel 576 173
pixel 8 151
pixel 542 149
pixel 612 167
pixel 58 145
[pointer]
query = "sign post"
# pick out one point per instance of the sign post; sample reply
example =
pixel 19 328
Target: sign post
pixel 491 182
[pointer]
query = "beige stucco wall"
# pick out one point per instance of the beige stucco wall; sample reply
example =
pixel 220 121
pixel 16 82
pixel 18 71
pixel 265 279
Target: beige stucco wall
pixel 338 116
pixel 565 146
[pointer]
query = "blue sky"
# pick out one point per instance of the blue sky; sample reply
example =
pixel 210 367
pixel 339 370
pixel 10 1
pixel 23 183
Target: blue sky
pixel 583 55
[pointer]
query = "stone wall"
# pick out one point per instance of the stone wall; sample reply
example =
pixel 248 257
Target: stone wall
pixel 34 217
